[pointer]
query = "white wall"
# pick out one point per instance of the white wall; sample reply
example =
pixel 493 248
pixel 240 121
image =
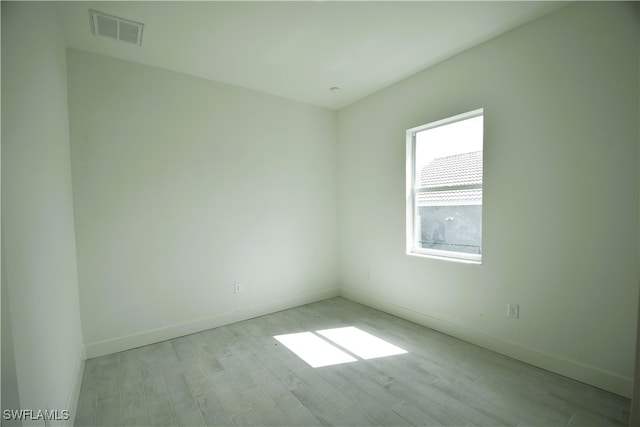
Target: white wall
pixel 561 195
pixel 634 418
pixel 39 275
pixel 184 186
pixel 10 398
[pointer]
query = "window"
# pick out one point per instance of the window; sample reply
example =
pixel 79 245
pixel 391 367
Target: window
pixel 444 188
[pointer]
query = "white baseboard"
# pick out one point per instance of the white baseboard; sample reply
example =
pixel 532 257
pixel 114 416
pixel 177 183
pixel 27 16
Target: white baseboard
pixel 592 375
pixel 115 345
pixel 74 393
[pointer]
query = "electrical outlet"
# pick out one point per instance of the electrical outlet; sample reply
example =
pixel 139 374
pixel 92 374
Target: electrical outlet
pixel 513 311
pixel 237 288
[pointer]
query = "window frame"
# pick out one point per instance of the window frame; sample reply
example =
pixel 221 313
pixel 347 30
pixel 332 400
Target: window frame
pixel 412 191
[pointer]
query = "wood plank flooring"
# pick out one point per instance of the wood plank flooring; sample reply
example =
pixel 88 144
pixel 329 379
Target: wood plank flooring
pixel 239 375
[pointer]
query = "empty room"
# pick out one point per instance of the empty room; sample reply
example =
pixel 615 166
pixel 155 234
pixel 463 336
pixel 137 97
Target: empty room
pixel 320 213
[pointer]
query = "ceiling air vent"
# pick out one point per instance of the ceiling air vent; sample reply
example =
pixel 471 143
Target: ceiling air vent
pixel 113 27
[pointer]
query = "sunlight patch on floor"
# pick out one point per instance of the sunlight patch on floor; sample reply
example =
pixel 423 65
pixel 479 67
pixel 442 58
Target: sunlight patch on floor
pixel 321 348
pixel 314 350
pixel 361 343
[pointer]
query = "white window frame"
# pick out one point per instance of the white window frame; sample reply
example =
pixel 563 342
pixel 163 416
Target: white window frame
pixel 412 190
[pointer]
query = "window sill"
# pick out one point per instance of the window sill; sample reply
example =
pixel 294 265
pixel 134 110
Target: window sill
pixel 446 258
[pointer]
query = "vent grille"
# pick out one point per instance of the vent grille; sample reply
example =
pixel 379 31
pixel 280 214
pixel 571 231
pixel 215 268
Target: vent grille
pixel 116 28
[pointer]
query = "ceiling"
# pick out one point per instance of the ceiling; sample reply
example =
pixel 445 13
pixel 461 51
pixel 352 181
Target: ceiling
pixel 299 50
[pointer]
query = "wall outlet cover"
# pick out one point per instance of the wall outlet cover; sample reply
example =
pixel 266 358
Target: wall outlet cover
pixel 513 311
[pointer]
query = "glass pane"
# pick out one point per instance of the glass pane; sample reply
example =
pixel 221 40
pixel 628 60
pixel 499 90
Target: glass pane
pixel 455 228
pixel 450 154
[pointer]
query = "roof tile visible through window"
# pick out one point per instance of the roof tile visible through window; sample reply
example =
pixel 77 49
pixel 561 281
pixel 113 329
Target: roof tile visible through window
pixel 460 169
pixel 449 196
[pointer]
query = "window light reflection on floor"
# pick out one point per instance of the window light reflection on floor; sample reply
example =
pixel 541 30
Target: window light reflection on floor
pixel 317 351
pixel 361 343
pixel 314 350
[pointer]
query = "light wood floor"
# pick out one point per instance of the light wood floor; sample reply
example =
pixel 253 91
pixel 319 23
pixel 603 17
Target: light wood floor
pixel 240 375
